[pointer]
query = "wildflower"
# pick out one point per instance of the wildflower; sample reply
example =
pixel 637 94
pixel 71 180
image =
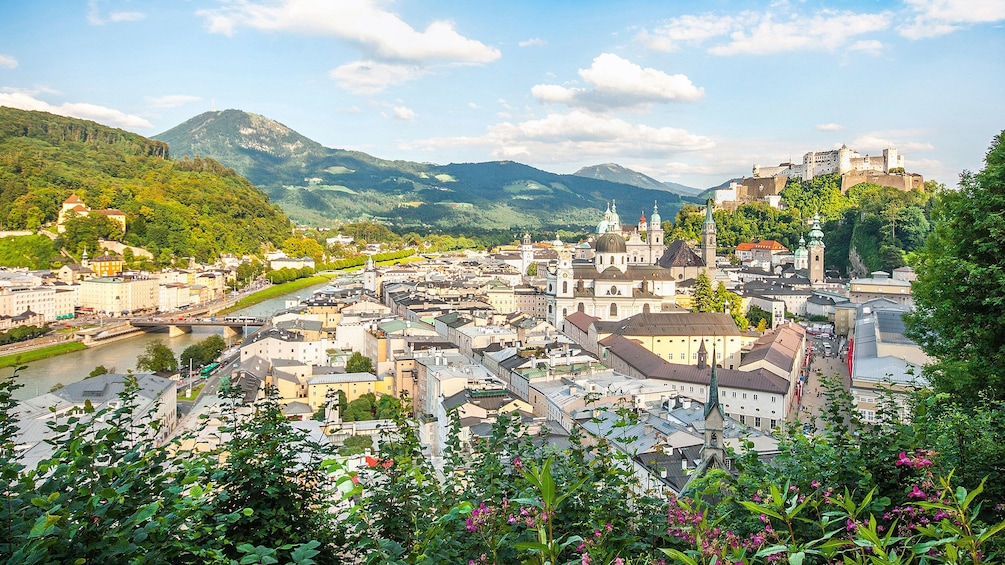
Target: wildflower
pixel 815 483
pixel 850 525
pixel 904 460
pixel 916 493
pixel 517 463
pixel 586 559
pixel 618 561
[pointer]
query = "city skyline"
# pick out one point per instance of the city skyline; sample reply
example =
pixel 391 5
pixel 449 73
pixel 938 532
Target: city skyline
pixel 689 92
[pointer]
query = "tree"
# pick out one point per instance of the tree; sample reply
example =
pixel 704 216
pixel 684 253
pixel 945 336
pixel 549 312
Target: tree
pixel 732 304
pixel 156 357
pixel 99 370
pixel 704 298
pixel 354 445
pixel 532 270
pixel 358 363
pixel 960 291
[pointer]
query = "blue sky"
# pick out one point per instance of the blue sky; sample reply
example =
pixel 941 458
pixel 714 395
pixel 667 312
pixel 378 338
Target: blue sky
pixel 687 91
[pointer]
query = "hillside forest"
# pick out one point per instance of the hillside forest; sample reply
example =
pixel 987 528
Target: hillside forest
pixel 868 229
pixel 174 209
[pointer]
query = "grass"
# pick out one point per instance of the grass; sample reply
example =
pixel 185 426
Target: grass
pixel 23 357
pixel 195 392
pixel 274 291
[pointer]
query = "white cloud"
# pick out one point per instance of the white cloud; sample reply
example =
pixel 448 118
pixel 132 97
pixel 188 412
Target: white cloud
pixel 7 62
pixel 381 34
pixel 473 106
pixel 933 18
pixel 100 114
pixel 403 113
pixel 171 100
pixel 94 16
pixel 350 110
pixel 764 33
pixel 618 83
pixel 878 141
pixel 369 77
pixel 830 127
pixel 533 42
pixel 871 46
pixel 576 137
pixel 689 29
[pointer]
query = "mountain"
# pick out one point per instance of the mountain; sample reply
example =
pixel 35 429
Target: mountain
pixel 318 185
pixel 189 208
pixel 616 173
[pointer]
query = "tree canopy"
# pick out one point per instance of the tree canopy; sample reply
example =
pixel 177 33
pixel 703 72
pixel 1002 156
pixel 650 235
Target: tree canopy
pixel 156 357
pixel 959 296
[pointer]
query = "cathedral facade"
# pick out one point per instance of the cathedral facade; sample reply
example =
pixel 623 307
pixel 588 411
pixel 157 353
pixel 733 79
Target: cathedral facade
pixel 625 270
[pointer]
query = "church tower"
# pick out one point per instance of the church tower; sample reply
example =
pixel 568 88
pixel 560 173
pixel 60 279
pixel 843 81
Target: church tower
pixel 815 249
pixel 370 276
pixel 708 240
pixel 713 453
pixel 655 234
pixel 526 254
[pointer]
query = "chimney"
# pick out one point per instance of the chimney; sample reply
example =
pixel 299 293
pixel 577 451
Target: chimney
pixel 683 461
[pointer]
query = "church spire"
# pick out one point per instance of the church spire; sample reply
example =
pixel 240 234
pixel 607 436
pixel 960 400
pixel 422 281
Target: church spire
pixel 713 389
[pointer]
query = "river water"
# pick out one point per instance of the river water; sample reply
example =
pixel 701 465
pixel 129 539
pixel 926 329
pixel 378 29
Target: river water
pixel 120 356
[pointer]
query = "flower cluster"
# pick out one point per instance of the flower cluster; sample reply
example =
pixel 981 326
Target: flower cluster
pixel 481 516
pixel 919 460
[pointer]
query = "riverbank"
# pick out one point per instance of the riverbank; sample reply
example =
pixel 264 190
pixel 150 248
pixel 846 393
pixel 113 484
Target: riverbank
pixel 275 291
pixel 17 359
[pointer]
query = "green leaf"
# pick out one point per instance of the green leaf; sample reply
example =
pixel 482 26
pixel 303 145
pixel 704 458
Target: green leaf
pixel 796 558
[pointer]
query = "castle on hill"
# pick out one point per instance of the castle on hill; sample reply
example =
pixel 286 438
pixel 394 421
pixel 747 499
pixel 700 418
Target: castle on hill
pixel 767 183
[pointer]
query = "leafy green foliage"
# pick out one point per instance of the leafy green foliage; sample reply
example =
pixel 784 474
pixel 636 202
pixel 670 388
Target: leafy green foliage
pixel 355 445
pixel 157 357
pixel 960 291
pixel 202 353
pixel 358 363
pixel 32 251
pixel 193 207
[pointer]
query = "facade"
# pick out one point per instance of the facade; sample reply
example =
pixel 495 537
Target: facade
pixel 676 337
pixel 119 295
pixel 841 161
pixel 880 285
pixel 815 253
pixel 625 277
pixel 353 385
pixel 75 206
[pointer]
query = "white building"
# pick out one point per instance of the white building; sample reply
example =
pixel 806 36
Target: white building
pixel 841 161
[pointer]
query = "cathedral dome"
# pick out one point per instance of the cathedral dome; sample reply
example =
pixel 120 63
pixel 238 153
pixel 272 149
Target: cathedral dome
pixel 610 243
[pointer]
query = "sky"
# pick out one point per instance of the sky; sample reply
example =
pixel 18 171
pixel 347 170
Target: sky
pixel 694 92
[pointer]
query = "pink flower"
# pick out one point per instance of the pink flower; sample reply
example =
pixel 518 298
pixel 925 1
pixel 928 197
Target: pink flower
pixel 517 463
pixel 904 460
pixel 618 561
pixel 815 483
pixel 916 493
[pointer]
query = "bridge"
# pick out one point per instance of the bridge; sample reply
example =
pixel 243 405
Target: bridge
pixel 183 324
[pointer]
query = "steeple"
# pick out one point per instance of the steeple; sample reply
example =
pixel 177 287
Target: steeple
pixel 708 238
pixel 702 356
pixel 815 248
pixel 713 389
pixel 713 454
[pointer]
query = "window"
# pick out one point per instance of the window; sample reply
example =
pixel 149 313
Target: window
pixel 755 397
pixel 694 356
pixel 565 287
pixel 734 394
pixel 772 398
pixel 774 423
pixel 757 422
pixel 744 396
pixel 614 310
pixel 743 419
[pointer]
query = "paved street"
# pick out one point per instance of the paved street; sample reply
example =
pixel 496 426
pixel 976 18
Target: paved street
pixel 813 399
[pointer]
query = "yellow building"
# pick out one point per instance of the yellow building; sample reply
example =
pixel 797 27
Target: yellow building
pixel 353 385
pixel 677 337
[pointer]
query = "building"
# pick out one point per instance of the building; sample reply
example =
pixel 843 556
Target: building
pixel 841 161
pixel 74 206
pixel 815 253
pixel 117 296
pixel 625 277
pixel 881 359
pixel 156 401
pixel 676 337
pixel 880 285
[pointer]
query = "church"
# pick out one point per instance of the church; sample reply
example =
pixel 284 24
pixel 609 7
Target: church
pixel 626 269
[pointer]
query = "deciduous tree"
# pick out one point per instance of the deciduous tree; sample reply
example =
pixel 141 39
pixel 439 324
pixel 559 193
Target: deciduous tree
pixel 960 291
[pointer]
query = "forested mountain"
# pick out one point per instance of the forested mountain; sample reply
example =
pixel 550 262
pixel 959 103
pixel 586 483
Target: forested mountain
pixel 316 185
pixel 176 209
pixel 616 173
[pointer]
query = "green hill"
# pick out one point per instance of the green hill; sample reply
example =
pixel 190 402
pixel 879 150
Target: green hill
pixel 318 185
pixel 177 209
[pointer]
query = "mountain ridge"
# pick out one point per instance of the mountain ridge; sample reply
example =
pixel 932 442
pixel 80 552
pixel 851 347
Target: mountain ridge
pixel 315 184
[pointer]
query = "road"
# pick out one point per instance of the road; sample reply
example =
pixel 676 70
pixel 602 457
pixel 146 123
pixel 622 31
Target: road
pixel 814 400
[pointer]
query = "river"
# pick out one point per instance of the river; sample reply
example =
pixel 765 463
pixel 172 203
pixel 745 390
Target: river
pixel 119 356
